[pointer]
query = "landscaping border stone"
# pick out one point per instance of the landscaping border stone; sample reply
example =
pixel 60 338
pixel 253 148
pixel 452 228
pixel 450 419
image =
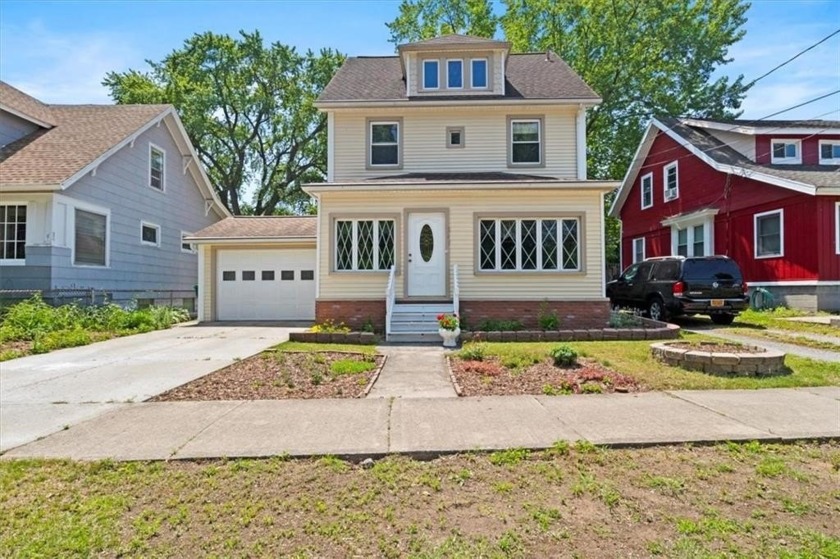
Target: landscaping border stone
pixel 758 362
pixel 374 378
pixel 362 338
pixel 458 390
pixel 662 331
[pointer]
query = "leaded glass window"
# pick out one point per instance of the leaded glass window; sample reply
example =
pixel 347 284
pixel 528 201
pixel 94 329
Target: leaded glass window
pixel 529 244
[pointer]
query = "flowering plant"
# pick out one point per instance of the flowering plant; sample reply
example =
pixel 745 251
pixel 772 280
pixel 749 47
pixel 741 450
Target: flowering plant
pixel 448 321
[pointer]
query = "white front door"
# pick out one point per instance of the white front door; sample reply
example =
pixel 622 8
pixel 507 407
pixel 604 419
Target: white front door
pixel 426 255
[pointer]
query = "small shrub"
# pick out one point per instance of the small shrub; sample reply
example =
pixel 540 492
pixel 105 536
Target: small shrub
pixel 516 362
pixel 49 341
pixel 368 326
pixel 351 367
pixel 500 326
pixel 591 388
pixel 624 320
pixel 548 319
pixel 563 356
pixel 329 326
pixel 473 351
pixel 562 389
pixel 317 378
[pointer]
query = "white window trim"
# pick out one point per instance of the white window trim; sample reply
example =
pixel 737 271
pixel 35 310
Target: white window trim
pixel 830 160
pixel 437 70
pixel 836 227
pixel 486 73
pixel 786 160
pixel 448 60
pixel 781 213
pixel 642 186
pixel 539 161
pixel 706 219
pixel 163 169
pixel 539 269
pixel 192 249
pixel 644 254
pixel 673 165
pixel 371 144
pixel 16 261
pixel 155 226
pixel 99 210
pixel 354 269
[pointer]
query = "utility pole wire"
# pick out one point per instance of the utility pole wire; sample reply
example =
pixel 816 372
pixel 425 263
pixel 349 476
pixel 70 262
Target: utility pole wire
pixel 794 57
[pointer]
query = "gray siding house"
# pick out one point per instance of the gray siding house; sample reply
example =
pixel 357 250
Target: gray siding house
pixel 99 197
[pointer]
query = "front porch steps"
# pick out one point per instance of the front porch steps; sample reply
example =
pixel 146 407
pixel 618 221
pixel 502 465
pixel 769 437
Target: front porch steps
pixel 417 322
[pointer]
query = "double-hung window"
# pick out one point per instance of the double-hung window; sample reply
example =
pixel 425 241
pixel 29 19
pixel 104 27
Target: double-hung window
pixel 769 234
pixel 384 144
pixel 670 178
pixel 13 233
pixel 364 244
pixel 430 74
pixel 638 249
pixel 478 73
pixel 455 74
pixel 647 191
pixel 149 234
pixel 91 239
pixel 529 244
pixel 526 141
pixel 157 167
pixel 829 152
pixel 787 152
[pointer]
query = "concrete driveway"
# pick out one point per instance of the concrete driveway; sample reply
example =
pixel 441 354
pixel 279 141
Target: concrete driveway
pixel 42 394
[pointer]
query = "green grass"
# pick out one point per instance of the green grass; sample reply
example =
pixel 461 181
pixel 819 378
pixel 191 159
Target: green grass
pixel 776 320
pixel 633 358
pixel 351 367
pixel 320 348
pixel 591 501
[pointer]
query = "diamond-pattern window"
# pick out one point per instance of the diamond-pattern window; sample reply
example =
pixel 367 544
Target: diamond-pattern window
pixel 364 244
pixel 570 244
pixel 529 244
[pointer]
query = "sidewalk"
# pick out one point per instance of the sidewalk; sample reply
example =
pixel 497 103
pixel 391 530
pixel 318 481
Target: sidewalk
pixel 430 426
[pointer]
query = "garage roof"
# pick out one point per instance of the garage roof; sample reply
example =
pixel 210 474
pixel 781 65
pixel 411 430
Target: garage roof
pixel 259 228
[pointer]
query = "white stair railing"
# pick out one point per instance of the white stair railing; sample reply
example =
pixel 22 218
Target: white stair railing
pixel 390 299
pixel 456 290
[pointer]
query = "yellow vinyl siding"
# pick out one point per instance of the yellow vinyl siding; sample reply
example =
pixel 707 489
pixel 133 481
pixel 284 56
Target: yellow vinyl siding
pixel 423 137
pixel 463 207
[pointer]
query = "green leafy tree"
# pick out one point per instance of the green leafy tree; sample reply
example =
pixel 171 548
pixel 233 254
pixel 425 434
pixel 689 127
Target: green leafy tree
pixel 644 58
pixel 248 109
pixel 424 19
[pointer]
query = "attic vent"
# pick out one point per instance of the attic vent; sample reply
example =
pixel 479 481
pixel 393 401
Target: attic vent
pixel 548 56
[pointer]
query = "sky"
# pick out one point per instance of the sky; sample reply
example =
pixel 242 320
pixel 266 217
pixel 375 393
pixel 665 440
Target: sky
pixel 59 51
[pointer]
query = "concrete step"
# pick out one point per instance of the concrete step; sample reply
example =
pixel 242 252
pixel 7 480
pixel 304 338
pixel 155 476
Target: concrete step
pixel 414 317
pixel 432 308
pixel 415 337
pixel 414 326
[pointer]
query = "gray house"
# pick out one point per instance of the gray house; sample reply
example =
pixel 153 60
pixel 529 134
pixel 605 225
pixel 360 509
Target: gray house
pixel 99 197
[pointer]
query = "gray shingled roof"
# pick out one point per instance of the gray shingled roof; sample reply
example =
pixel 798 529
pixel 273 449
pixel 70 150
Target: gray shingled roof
pixel 831 124
pixel 529 76
pixel 453 39
pixel 260 227
pixel 827 176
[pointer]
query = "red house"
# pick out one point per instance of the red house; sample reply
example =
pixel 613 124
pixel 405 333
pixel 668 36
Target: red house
pixel 766 193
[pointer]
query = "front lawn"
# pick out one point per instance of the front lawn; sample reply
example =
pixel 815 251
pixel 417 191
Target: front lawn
pixel 633 359
pixel 32 326
pixel 731 500
pixel 289 370
pixel 776 319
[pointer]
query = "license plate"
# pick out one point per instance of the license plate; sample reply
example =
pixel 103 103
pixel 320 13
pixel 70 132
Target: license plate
pixel 717 302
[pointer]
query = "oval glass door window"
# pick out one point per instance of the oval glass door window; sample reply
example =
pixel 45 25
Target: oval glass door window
pixel 427 243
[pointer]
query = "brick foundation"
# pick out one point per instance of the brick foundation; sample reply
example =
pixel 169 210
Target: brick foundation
pixel 355 314
pixel 572 314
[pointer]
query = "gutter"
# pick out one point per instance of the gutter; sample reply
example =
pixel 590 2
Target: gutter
pixel 416 102
pixel 253 240
pixel 602 186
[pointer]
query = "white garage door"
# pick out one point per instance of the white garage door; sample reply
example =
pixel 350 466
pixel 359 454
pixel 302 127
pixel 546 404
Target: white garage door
pixel 266 284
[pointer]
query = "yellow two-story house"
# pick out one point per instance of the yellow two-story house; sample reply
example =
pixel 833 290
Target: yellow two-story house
pixel 456 183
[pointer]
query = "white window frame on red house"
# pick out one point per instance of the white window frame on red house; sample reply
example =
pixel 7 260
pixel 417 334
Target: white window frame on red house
pixel 689 223
pixel 648 177
pixel 781 213
pixel 786 160
pixel 837 227
pixel 676 190
pixel 639 240
pixel 833 160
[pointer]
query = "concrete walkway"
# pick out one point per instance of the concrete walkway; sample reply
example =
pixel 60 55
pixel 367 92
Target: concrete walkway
pixel 42 394
pixel 430 426
pixel 413 372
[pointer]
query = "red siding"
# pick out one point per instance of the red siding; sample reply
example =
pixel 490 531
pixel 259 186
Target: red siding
pixel 810 146
pixel 738 199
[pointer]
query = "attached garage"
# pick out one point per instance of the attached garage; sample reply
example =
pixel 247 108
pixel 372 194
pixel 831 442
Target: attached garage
pixel 257 269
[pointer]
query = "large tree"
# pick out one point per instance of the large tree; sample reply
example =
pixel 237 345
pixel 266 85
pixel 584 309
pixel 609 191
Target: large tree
pixel 423 19
pixel 248 109
pixel 643 57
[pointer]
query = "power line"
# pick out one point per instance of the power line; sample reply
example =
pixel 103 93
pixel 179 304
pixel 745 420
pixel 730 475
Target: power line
pixel 794 57
pixel 835 92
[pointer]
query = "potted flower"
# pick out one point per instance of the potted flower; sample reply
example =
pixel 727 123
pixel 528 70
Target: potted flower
pixel 449 328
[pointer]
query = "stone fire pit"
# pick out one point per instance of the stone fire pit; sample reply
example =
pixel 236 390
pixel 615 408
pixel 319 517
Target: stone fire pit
pixel 721 359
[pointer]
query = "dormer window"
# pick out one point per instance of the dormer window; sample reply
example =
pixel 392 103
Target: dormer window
pixel 430 74
pixel 829 152
pixel 478 73
pixel 455 74
pixel 787 152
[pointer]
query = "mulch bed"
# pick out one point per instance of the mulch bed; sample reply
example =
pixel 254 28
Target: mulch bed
pixel 716 347
pixel 490 378
pixel 21 347
pixel 279 376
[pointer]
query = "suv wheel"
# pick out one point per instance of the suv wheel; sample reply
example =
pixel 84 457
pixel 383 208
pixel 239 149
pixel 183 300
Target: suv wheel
pixel 723 318
pixel 656 310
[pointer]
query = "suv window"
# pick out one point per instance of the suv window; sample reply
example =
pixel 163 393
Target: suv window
pixel 644 271
pixel 665 271
pixel 630 272
pixel 711 269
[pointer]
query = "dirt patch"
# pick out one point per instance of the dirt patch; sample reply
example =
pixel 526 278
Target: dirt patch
pixel 284 375
pixel 716 347
pixel 14 349
pixel 491 377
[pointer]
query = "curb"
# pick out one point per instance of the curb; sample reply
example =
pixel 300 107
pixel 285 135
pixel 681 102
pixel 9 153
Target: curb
pixel 374 378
